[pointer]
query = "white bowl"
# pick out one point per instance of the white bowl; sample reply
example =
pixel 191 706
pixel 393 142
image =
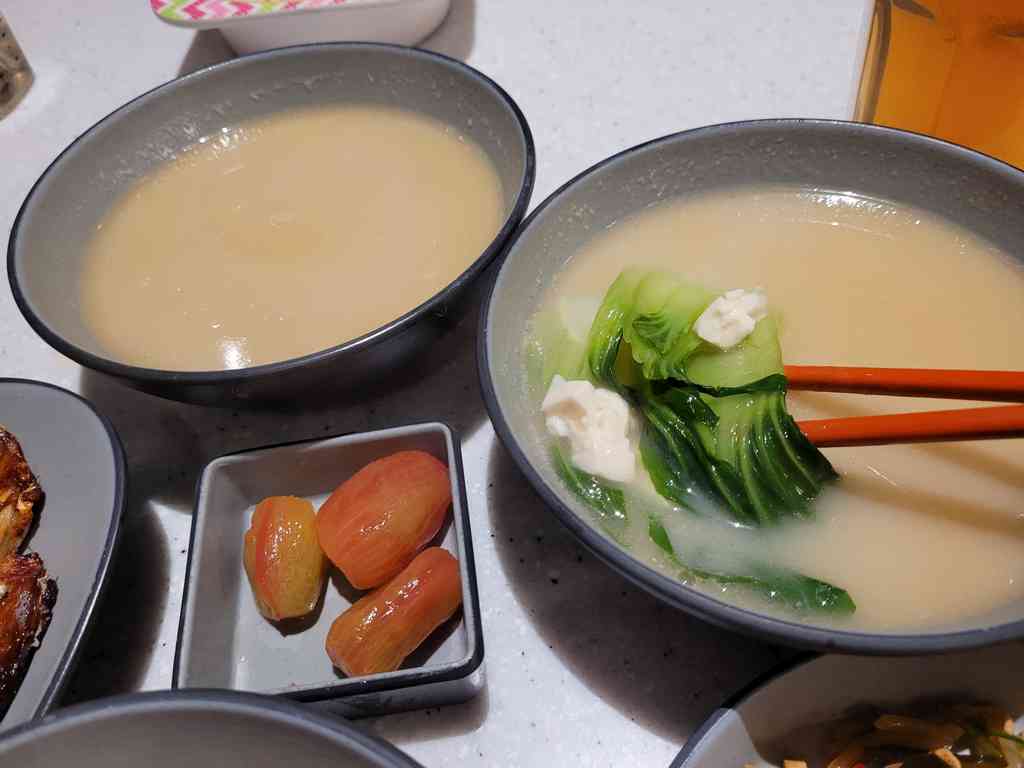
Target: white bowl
pixel 255 26
pixel 776 719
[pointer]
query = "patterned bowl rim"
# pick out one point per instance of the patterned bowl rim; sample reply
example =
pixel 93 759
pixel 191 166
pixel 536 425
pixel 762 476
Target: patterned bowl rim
pixel 209 14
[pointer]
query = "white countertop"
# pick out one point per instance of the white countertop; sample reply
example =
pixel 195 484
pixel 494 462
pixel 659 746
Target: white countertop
pixel 582 668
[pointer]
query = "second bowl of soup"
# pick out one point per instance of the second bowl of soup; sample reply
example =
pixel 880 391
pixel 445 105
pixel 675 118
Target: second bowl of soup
pixel 646 402
pixel 284 223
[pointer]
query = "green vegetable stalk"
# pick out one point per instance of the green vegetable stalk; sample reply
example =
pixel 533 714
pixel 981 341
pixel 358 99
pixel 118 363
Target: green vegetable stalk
pixel 716 432
pixel 716 425
pixel 608 503
pixel 798 593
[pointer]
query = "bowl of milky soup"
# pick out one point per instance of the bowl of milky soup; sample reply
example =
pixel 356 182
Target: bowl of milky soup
pixel 646 400
pixel 279 226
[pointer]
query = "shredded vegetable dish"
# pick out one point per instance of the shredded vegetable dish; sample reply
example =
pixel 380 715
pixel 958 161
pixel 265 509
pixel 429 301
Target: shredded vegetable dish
pixel 954 737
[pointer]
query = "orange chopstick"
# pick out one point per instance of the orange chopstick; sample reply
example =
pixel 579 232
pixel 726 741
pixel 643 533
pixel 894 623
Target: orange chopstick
pixel 1000 386
pixel 926 427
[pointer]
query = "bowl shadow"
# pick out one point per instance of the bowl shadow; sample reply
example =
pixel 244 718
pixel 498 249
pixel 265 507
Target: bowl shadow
pixel 457 33
pixel 429 724
pixel 126 625
pixel 662 668
pixel 167 444
pixel 208 47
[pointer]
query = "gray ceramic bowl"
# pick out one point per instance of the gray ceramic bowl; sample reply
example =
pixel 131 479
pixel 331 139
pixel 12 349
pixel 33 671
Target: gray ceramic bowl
pixel 775 719
pixel 77 457
pixel 62 209
pixel 196 729
pixel 224 641
pixel 971 189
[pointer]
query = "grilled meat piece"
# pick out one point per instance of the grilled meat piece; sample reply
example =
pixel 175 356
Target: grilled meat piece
pixel 27 596
pixel 19 493
pixel 26 601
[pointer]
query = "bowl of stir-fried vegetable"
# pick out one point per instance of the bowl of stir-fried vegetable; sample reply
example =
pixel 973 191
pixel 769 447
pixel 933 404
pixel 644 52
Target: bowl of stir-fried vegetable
pixel 848 712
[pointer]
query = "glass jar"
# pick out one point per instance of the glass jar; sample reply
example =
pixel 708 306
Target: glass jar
pixel 949 68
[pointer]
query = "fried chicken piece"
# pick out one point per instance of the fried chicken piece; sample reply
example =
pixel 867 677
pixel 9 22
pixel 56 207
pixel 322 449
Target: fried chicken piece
pixel 27 597
pixel 19 493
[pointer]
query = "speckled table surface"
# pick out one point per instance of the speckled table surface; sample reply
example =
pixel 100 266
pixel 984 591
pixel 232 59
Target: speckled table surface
pixel 582 668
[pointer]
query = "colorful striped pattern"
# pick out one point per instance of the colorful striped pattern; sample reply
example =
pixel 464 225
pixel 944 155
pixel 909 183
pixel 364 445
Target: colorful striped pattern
pixel 212 10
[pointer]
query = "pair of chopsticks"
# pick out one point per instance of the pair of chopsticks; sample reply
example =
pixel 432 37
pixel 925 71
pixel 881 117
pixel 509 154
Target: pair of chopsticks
pixel 925 427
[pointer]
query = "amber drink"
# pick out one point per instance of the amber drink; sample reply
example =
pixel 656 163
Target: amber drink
pixel 949 68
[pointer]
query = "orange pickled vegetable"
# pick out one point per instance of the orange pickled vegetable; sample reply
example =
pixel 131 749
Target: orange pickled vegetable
pixel 375 522
pixel 380 630
pixel 282 557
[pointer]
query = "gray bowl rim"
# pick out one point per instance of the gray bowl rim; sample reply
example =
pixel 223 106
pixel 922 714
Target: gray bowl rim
pixel 763 680
pixel 66 665
pixel 334 729
pixel 676 593
pixel 374 337
pixel 368 684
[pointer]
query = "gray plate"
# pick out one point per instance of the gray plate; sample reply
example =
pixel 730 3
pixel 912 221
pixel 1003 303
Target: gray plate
pixel 195 729
pixel 776 719
pixel 224 642
pixel 77 457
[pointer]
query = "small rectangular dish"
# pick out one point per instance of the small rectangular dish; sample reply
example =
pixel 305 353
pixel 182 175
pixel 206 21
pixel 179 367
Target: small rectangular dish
pixel 224 641
pixel 256 25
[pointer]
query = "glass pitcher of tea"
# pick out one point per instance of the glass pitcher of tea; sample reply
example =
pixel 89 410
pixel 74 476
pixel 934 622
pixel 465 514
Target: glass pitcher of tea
pixel 949 68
